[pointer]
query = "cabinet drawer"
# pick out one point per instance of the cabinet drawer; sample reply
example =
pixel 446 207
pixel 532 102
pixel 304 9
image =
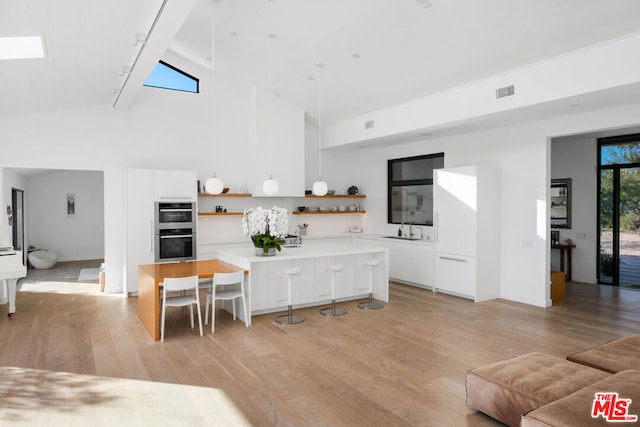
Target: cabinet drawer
pixel 455 274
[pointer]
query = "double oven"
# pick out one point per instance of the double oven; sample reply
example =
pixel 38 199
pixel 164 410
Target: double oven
pixel 175 231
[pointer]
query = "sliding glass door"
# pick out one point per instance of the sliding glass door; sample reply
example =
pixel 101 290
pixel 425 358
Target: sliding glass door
pixel 619 210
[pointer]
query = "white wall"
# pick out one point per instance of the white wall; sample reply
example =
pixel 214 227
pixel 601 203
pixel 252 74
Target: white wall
pixel 163 130
pixel 79 237
pixel 522 153
pixel 576 158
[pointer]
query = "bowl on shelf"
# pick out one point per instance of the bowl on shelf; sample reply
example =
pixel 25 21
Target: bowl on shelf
pixel 302 208
pixel 352 208
pixel 307 192
pixel 322 209
pixel 331 192
pixel 225 190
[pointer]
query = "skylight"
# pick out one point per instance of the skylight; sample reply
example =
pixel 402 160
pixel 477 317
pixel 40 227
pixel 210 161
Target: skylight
pixel 21 47
pixel 166 76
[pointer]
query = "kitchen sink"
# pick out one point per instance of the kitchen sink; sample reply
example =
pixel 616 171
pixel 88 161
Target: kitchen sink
pixel 402 238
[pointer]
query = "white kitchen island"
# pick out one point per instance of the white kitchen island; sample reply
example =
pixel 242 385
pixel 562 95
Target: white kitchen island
pixel 267 290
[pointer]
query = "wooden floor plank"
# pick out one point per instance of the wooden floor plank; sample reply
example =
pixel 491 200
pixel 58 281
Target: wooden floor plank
pixel 402 365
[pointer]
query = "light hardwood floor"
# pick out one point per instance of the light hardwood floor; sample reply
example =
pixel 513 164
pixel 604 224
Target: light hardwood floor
pixel 402 365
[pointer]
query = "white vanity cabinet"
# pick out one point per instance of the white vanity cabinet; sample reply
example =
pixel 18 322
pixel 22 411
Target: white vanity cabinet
pixel 466 204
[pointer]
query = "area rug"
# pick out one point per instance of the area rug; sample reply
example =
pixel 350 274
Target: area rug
pixel 88 274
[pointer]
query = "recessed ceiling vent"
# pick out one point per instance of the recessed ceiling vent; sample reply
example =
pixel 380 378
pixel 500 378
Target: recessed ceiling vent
pixel 505 91
pixel 369 124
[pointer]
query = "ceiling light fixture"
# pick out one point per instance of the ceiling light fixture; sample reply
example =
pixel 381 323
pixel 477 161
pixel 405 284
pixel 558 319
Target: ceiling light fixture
pixel 213 185
pixel 31 47
pixel 270 186
pixel 320 187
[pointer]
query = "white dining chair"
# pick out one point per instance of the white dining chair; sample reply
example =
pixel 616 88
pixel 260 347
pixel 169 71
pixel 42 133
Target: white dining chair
pixel 226 287
pixel 183 285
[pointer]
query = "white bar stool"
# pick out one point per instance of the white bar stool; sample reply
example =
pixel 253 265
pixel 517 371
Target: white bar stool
pixel 332 270
pixel 290 318
pixel 371 304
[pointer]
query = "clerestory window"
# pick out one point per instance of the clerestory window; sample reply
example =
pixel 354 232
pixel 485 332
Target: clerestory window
pixel 166 76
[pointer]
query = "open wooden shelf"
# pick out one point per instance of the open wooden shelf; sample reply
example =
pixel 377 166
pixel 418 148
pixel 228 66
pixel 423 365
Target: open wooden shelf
pixel 225 195
pixel 220 213
pixel 336 196
pixel 329 213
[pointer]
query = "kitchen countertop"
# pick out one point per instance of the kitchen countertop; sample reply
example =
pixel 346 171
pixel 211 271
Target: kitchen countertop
pixel 307 250
pixel 320 239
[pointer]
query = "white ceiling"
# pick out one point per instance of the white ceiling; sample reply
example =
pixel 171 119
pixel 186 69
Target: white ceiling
pixel 406 51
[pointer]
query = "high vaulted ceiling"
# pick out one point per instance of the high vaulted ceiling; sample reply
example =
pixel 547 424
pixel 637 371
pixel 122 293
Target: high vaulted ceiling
pixel 376 53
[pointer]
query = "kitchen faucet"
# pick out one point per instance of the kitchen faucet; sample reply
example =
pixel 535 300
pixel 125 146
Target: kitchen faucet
pixel 411 233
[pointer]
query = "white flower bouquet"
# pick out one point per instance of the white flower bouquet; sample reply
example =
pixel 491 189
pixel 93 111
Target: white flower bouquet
pixel 267 227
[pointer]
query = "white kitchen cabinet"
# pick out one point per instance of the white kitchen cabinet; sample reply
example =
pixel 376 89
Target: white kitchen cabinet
pixel 175 185
pixel 409 262
pixel 143 188
pixel 457 273
pixel 467 231
pixel 422 265
pixel 345 279
pixel 399 261
pixel 139 224
pixel 259 286
pixel 303 286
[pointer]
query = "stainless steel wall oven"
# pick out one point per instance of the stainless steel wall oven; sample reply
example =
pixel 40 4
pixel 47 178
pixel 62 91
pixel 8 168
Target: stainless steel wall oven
pixel 175 231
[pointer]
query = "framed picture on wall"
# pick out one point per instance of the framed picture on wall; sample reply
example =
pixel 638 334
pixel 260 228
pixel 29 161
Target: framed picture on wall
pixel 71 205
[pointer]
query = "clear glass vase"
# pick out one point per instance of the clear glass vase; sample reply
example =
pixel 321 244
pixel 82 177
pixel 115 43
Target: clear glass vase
pixel 261 252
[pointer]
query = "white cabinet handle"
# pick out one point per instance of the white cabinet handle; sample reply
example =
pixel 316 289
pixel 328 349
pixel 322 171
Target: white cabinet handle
pixel 151 236
pixel 452 259
pixel 435 227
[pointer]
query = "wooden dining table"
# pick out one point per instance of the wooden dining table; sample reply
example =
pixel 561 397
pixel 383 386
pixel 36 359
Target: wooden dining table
pixel 150 277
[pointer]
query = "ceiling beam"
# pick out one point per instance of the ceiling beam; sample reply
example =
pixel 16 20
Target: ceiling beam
pixel 169 19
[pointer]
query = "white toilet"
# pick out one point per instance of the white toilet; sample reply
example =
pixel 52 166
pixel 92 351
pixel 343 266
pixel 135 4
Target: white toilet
pixel 42 259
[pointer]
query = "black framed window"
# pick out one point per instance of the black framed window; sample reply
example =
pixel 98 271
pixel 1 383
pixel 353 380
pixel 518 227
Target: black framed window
pixel 410 189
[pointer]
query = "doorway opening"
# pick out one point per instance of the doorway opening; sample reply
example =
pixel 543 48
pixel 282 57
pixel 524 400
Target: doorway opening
pixel 619 210
pixel 17 225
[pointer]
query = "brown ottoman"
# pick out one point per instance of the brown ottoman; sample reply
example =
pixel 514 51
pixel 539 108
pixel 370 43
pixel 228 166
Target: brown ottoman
pixel 506 390
pixel 614 356
pixel 576 409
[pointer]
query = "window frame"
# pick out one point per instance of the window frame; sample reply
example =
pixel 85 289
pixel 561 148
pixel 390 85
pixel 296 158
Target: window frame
pixel 391 183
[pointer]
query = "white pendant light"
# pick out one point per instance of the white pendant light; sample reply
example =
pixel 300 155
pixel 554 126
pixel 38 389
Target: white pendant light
pixel 270 186
pixel 320 187
pixel 213 185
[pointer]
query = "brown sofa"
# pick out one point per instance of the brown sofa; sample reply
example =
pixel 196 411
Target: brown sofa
pixel 537 389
